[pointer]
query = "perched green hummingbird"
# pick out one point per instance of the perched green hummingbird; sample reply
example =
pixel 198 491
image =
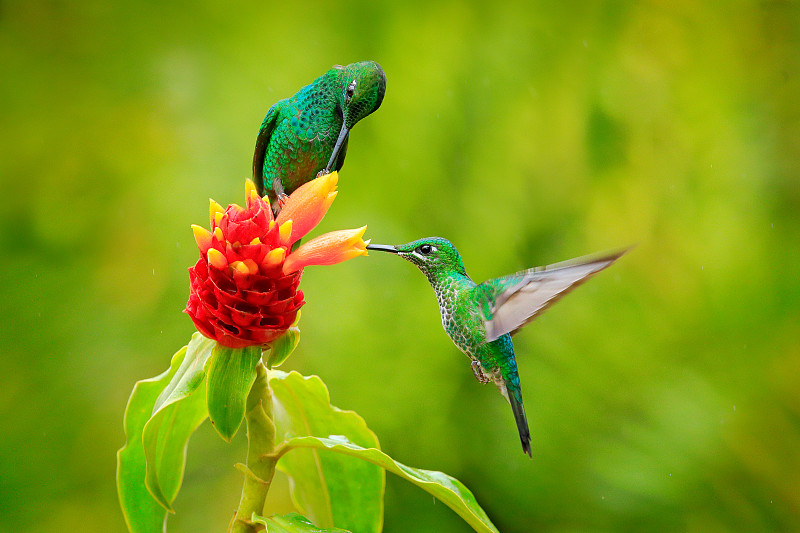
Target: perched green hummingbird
pixel 308 132
pixel 480 319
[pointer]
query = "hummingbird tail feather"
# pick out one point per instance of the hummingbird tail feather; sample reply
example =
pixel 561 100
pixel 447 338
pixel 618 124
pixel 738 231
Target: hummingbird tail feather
pixel 515 399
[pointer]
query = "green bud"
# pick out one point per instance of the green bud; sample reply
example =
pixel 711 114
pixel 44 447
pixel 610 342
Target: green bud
pixel 282 347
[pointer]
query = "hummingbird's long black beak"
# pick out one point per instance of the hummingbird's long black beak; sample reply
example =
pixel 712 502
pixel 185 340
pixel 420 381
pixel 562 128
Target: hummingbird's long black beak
pixel 337 147
pixel 382 248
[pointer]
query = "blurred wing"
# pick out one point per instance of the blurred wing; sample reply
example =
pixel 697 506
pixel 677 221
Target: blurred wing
pixel 510 302
pixel 264 135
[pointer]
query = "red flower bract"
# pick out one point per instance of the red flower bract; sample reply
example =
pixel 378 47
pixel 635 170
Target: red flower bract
pixel 236 317
pixel 241 295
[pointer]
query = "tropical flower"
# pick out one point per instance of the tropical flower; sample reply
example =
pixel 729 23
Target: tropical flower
pixel 244 287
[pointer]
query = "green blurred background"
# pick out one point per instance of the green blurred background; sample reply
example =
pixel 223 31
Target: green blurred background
pixel 662 396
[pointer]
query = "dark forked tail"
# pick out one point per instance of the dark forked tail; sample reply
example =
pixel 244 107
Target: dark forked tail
pixel 515 399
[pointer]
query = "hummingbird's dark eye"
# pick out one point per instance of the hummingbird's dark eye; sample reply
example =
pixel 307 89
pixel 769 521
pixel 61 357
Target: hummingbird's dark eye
pixel 425 249
pixel 351 89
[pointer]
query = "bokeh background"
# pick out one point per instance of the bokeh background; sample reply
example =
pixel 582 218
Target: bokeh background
pixel 663 395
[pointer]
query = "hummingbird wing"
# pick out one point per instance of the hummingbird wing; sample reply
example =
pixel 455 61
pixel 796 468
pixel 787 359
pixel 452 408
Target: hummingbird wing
pixel 506 304
pixel 262 141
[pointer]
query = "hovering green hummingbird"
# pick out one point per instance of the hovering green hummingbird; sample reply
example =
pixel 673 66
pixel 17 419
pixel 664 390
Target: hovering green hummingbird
pixel 480 319
pixel 308 132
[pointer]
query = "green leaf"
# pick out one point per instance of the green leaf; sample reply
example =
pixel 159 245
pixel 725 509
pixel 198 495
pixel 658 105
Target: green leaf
pixel 180 410
pixel 142 513
pixel 292 523
pixel 231 373
pixel 449 490
pixel 330 489
pixel 191 373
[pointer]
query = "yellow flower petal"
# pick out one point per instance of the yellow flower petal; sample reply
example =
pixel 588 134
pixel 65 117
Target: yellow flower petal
pixel 246 267
pixel 216 258
pixel 250 190
pixel 202 237
pixel 275 257
pixel 215 212
pixel 285 232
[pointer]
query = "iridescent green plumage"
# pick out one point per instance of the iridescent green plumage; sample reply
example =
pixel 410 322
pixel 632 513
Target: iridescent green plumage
pixel 480 319
pixel 308 132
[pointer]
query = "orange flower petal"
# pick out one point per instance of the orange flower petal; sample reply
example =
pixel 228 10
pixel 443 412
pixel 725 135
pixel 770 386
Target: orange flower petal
pixel 328 249
pixel 308 204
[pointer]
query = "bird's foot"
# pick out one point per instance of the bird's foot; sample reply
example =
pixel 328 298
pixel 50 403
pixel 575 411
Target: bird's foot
pixel 480 375
pixel 278 204
pixel 323 172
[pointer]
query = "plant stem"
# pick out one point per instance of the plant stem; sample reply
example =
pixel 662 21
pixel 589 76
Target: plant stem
pixel 260 453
